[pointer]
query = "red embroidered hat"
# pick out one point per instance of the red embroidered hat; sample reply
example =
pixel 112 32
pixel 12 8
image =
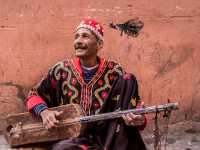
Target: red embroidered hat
pixel 92 25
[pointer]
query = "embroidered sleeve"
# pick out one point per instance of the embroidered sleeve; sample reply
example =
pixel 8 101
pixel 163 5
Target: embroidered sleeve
pixel 136 102
pixel 39 108
pixel 45 92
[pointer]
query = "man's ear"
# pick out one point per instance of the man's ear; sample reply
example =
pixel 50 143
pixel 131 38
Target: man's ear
pixel 100 44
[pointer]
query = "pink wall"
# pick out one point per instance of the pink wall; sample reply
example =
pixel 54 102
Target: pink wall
pixel 165 57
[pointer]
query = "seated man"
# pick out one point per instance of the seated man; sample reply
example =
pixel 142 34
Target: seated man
pixel 99 86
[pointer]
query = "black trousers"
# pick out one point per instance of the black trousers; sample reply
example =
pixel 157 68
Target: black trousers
pixel 76 144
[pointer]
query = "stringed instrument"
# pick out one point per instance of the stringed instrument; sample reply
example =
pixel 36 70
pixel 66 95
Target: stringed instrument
pixel 25 128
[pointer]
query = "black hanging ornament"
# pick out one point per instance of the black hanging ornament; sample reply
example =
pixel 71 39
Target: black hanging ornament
pixel 131 27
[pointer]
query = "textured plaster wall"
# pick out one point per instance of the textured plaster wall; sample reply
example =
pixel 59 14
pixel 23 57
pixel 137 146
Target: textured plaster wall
pixel 34 34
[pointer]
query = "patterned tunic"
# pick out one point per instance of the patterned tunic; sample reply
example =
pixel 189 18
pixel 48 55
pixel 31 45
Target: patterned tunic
pixel 65 84
pixel 109 89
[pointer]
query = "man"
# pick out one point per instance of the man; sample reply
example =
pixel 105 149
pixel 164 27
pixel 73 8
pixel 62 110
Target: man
pixel 99 86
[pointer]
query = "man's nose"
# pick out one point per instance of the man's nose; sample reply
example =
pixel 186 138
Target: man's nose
pixel 79 39
pixel 78 42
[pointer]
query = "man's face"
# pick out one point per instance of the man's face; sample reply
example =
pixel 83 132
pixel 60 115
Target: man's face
pixel 85 43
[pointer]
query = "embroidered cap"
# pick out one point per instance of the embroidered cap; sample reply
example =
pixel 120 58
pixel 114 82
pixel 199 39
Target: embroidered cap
pixel 93 26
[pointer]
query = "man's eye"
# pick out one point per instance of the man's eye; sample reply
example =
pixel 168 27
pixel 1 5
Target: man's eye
pixel 75 37
pixel 85 35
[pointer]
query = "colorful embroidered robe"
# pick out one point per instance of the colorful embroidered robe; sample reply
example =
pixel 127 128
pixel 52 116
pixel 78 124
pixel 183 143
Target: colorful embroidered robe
pixel 64 84
pixel 111 134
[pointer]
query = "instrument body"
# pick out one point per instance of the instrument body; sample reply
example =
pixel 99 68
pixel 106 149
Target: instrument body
pixel 24 128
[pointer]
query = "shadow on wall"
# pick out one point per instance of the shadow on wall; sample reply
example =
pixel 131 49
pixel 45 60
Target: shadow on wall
pixel 166 60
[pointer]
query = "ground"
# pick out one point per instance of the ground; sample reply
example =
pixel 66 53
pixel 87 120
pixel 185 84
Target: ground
pixel 181 136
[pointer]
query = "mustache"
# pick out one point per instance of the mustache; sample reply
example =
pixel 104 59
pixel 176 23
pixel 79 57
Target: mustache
pixel 80 46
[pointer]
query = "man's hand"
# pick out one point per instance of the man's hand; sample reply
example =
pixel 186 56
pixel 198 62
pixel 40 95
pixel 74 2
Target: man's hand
pixel 133 120
pixel 49 118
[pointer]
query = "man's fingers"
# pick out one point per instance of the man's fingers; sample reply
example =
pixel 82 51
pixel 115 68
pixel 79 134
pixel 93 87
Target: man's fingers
pixel 132 119
pixel 125 119
pixel 133 116
pixel 45 124
pixel 51 124
pixel 58 113
pixel 129 118
pixel 140 119
pixel 49 118
pixel 136 117
pixel 53 119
